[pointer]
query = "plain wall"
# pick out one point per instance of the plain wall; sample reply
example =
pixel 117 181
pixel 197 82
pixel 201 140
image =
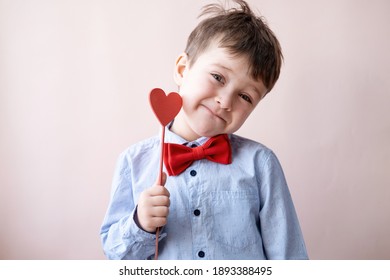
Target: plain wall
pixel 74 81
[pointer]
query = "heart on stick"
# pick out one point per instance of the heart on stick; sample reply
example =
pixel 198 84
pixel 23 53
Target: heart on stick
pixel 165 107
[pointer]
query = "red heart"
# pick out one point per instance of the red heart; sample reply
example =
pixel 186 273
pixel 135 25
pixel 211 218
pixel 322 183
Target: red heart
pixel 165 107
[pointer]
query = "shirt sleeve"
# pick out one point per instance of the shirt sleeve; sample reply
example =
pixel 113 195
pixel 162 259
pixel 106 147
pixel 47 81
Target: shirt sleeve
pixel 279 225
pixel 120 235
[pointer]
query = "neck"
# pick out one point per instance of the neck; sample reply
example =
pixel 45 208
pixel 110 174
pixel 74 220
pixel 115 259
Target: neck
pixel 180 128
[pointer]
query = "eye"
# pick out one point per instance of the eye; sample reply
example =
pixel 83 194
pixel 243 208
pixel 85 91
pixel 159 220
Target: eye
pixel 245 97
pixel 218 78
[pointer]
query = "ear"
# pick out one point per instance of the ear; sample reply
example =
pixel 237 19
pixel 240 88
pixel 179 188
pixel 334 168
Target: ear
pixel 180 68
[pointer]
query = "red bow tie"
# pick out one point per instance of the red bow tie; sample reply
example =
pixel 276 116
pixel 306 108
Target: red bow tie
pixel 178 157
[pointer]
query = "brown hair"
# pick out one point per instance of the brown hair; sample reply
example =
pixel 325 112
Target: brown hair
pixel 242 33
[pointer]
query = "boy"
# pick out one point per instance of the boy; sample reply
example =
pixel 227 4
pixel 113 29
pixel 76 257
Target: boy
pixel 231 201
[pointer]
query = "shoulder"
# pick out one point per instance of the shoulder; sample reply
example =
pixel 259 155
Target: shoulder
pixel 244 144
pixel 251 150
pixel 256 156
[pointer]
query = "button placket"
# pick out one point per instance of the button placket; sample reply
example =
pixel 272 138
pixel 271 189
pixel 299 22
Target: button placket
pixel 199 233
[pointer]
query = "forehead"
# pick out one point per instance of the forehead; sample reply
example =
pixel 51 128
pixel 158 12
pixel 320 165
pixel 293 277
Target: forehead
pixel 214 54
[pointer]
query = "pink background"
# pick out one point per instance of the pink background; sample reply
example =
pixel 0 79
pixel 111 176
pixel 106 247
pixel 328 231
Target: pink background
pixel 74 80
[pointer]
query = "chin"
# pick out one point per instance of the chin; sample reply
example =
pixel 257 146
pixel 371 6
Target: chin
pixel 208 133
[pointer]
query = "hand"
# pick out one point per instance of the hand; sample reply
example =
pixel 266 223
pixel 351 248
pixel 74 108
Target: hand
pixel 153 207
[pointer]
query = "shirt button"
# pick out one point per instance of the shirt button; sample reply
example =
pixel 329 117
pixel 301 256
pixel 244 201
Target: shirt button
pixel 197 212
pixel 193 173
pixel 201 254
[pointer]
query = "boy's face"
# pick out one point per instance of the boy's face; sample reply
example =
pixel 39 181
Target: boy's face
pixel 218 93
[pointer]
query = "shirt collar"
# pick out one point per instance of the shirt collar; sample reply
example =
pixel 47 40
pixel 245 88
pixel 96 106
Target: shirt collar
pixel 171 137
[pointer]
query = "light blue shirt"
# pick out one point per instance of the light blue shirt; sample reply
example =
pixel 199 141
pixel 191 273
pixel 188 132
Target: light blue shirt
pixel 242 210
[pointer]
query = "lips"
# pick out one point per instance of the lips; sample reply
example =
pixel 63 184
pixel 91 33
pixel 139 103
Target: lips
pixel 214 113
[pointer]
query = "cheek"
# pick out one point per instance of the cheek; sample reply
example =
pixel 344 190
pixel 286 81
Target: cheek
pixel 242 115
pixel 189 104
pixel 193 96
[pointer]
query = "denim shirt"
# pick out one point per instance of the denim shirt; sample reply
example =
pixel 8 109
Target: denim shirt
pixel 242 210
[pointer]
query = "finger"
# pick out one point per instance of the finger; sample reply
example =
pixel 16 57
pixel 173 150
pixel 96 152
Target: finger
pixel 163 178
pixel 159 221
pixel 160 200
pixel 158 190
pixel 159 212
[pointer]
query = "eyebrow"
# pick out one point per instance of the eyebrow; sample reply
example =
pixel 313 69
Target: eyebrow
pixel 258 92
pixel 223 66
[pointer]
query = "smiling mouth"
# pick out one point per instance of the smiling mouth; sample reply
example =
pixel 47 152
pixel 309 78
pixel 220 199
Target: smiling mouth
pixel 214 114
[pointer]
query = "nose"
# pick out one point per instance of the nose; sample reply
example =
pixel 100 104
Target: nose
pixel 225 101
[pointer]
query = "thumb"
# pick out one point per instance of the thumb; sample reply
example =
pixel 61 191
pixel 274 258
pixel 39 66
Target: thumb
pixel 162 178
